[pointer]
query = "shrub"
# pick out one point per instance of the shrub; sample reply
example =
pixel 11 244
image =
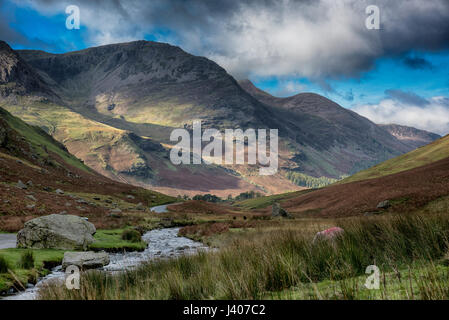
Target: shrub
pixel 131 235
pixel 4 266
pixel 27 260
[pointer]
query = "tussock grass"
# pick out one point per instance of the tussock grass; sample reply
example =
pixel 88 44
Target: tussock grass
pixel 4 265
pixel 131 235
pixel 279 260
pixel 27 260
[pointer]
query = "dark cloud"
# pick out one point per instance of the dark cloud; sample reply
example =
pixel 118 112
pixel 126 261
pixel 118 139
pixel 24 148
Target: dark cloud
pixel 409 98
pixel 316 39
pixel 417 63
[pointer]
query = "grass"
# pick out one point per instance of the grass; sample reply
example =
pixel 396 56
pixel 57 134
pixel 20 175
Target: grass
pixel 111 240
pixel 432 152
pixel 40 139
pixel 4 265
pixel 20 273
pixel 263 202
pixel 423 281
pixel 266 262
pixel 27 260
pixel 131 235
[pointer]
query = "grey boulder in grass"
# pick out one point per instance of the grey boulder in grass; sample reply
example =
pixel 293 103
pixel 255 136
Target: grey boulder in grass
pixel 85 260
pixel 65 232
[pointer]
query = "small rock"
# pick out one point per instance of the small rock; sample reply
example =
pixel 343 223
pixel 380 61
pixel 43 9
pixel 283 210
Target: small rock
pixel 31 206
pixel 277 211
pixel 384 204
pixel 29 183
pixel 63 212
pixel 59 191
pixel 19 161
pixel 68 204
pixel 85 260
pixel 130 197
pixel 140 206
pixel 31 197
pixel 21 185
pixel 82 201
pixel 108 201
pixel 116 210
pixel 48 189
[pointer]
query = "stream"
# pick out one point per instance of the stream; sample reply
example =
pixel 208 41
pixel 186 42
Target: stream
pixel 162 244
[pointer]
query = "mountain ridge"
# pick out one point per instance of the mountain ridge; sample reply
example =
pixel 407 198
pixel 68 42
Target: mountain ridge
pixel 148 89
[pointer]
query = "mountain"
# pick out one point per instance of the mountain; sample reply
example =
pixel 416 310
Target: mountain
pixel 116 105
pixel 413 137
pixel 33 166
pixel 17 77
pixel 435 151
pixel 414 182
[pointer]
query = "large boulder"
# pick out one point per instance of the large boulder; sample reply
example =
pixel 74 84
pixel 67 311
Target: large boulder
pixel 65 232
pixel 85 260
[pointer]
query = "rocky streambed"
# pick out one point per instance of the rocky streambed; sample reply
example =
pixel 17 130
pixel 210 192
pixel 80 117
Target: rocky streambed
pixel 162 244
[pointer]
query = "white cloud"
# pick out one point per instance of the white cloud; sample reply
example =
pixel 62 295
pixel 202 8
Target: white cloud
pixel 315 39
pixel 287 88
pixel 433 117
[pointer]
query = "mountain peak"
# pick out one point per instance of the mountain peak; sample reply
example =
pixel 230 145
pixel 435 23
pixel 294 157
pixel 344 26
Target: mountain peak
pixel 410 135
pixel 17 77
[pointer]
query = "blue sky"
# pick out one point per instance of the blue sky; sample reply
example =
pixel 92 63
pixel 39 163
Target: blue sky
pixel 381 84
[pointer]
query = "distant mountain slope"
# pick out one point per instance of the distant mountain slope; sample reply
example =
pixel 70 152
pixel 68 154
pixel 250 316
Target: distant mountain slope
pixel 132 94
pixel 430 153
pixel 33 166
pixel 355 136
pixel 411 136
pixel 424 188
pixel 419 183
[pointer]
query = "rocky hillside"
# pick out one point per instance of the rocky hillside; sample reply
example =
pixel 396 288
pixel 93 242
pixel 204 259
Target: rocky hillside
pixel 413 137
pixel 38 176
pixel 127 98
pixel 17 77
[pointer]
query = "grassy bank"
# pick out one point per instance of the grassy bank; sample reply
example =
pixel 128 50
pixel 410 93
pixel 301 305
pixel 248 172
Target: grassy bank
pixel 274 263
pixel 16 275
pixel 113 241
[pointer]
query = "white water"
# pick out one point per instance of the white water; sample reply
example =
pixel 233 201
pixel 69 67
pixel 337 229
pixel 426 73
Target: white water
pixel 162 243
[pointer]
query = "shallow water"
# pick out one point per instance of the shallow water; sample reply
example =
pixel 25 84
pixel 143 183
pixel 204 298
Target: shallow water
pixel 163 208
pixel 162 243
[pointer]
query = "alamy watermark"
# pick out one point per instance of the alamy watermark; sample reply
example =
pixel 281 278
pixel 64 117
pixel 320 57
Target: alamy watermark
pixel 72 277
pixel 373 281
pixel 372 22
pixel 254 144
pixel 73 20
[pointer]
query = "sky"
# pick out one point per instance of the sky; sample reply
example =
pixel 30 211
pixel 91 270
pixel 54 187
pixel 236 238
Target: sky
pixel 398 73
